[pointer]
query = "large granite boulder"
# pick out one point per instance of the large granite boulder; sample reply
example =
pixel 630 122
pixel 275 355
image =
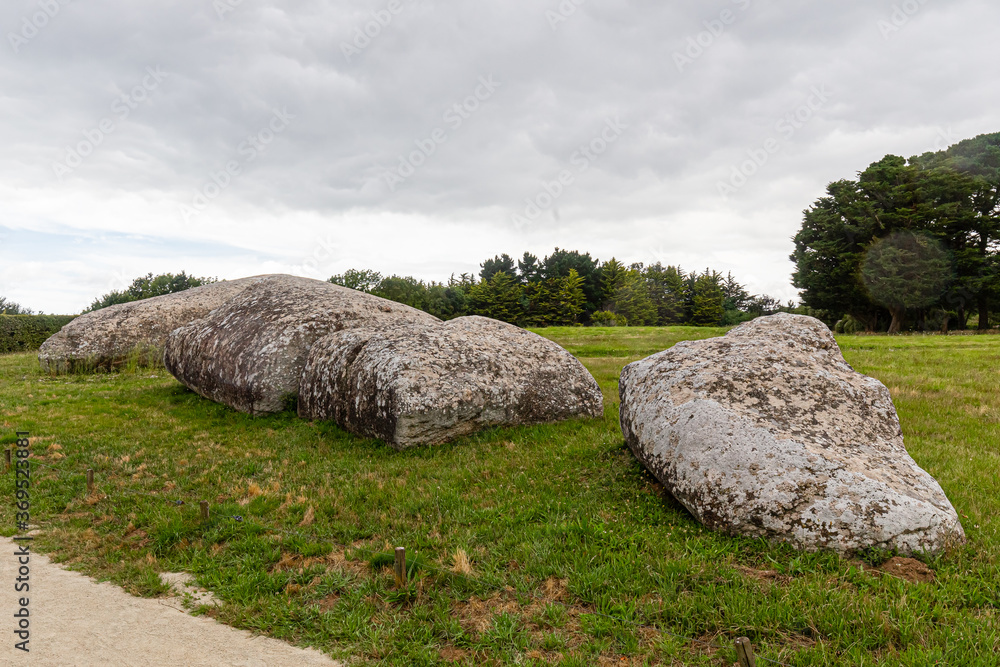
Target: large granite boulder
pixel 131 332
pixel 768 432
pixel 427 384
pixel 249 353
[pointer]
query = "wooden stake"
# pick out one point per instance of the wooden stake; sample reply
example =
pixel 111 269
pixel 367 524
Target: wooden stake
pixel 400 567
pixel 6 455
pixel 204 510
pixel 90 481
pixel 744 652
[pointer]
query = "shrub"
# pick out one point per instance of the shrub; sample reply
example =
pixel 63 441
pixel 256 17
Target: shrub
pixel 22 333
pixel 606 318
pixel 847 325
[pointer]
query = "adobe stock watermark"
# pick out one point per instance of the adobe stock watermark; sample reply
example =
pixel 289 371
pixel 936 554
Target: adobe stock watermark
pixel 120 281
pixel 901 14
pixel 946 138
pixel 22 494
pixel 122 107
pixel 698 44
pixel 223 7
pixel 455 116
pixel 325 250
pixel 582 158
pixel 366 34
pixel 254 145
pixel 563 12
pixel 33 23
pixel 786 126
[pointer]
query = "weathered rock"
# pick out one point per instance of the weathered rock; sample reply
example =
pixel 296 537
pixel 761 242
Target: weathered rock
pixel 131 332
pixel 249 353
pixel 429 384
pixel 768 432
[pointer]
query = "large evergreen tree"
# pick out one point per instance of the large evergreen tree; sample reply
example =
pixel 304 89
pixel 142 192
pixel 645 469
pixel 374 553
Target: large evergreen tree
pixel 501 297
pixel 906 271
pixel 975 236
pixel 631 300
pixel 707 300
pixel 612 275
pixel 559 264
pixel 529 269
pixel 555 301
pixel 666 290
pixel 500 264
pixel 951 196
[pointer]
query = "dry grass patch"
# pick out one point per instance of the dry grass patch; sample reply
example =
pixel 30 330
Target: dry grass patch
pixel 910 569
pixel 769 576
pixel 460 563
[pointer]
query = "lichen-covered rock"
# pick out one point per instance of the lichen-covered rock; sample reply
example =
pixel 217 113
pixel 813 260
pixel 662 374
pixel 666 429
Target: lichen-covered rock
pixel 768 432
pixel 429 384
pixel 249 353
pixel 132 332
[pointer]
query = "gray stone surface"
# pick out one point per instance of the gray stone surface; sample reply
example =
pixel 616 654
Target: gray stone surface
pixel 429 384
pixel 768 432
pixel 249 353
pixel 110 337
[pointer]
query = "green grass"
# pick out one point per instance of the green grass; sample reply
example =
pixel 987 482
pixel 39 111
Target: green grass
pixel 577 556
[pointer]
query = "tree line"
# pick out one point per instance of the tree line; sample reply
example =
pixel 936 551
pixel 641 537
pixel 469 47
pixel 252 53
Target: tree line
pixel 148 286
pixel 909 244
pixel 569 288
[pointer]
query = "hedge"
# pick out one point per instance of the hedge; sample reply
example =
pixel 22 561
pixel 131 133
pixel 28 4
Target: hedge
pixel 23 333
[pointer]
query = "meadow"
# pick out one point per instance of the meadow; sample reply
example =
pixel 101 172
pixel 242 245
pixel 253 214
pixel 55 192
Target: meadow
pixel 534 545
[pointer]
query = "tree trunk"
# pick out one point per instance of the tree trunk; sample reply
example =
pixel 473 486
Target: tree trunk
pixel 962 319
pixel 944 323
pixel 897 320
pixel 984 293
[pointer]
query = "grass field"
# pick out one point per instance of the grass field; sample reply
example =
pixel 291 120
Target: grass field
pixel 535 545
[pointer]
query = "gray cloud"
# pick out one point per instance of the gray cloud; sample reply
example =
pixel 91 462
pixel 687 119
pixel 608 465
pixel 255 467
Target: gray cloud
pixel 652 194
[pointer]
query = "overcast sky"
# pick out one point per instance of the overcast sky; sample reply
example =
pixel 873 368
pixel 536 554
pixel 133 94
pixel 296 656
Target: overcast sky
pixel 240 137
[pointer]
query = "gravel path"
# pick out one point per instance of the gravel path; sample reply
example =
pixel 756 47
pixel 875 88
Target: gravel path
pixel 77 621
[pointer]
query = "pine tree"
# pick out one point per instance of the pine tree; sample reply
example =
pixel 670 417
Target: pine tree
pixel 665 286
pixel 571 298
pixel 613 276
pixel 543 304
pixel 707 300
pixel 631 300
pixel 500 297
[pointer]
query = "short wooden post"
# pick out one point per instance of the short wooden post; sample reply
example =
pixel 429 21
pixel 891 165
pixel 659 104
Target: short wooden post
pixel 400 567
pixel 6 456
pixel 204 510
pixel 90 481
pixel 744 652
